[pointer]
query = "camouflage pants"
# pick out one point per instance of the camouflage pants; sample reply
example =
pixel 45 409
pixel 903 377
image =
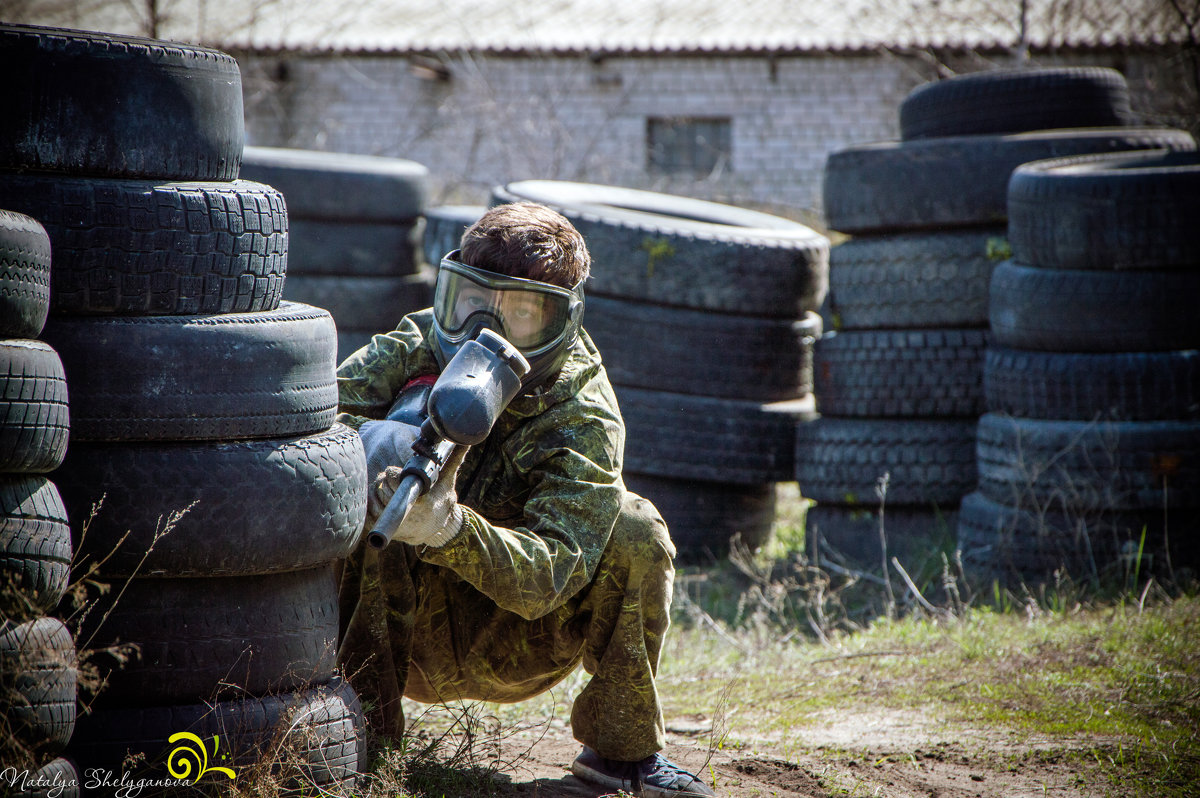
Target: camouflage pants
pixel 414 629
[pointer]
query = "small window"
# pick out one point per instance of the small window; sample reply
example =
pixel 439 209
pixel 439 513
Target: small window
pixel 687 145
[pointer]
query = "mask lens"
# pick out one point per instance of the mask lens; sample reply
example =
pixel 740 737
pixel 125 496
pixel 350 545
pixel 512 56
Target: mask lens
pixel 530 318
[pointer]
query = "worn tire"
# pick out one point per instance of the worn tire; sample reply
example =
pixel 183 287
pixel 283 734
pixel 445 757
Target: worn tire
pixel 901 373
pixel 703 516
pixel 56 779
pixel 263 375
pixel 960 181
pixel 210 638
pixel 935 279
pixel 155 247
pixel 38 681
pixel 693 352
pixel 1070 310
pixel 34 413
pixel 377 304
pixel 1016 100
pixel 444 227
pixel 313 736
pixel 735 441
pixel 319 247
pixel 1070 466
pixel 118 106
pixel 917 536
pixel 1130 212
pixel 35 543
pixel 24 276
pixel 930 461
pixel 672 250
pixel 305 506
pixel 1097 386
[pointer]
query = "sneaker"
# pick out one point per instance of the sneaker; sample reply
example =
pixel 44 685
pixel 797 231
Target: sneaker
pixel 653 777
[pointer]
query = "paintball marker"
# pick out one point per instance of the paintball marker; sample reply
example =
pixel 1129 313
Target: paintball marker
pixel 459 408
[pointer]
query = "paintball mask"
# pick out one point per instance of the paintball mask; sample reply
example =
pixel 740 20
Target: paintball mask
pixel 540 319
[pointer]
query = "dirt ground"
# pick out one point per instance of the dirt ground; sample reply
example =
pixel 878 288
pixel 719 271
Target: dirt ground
pixel 890 754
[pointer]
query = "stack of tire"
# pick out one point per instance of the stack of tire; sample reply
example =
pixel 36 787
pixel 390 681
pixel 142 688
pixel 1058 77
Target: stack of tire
pixel 1089 456
pixel 355 234
pixel 37 651
pixel 208 489
pixel 705 316
pixel 899 376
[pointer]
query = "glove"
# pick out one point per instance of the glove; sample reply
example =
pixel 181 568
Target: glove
pixel 434 518
pixel 388 445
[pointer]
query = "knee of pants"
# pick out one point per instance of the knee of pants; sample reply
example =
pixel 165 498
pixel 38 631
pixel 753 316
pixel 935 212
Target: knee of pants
pixel 640 528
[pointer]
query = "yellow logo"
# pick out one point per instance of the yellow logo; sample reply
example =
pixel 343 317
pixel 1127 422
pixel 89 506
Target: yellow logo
pixel 192 751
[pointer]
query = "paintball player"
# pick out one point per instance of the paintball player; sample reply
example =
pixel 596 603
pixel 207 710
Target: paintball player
pixel 527 556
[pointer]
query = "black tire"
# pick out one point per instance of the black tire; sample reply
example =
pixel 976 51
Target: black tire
pixel 35 545
pixel 1016 100
pixel 330 186
pixel 212 638
pixel 24 276
pixel 936 279
pixel 1109 386
pixel 444 227
pixel 960 181
pixel 901 373
pixel 734 441
pixel 1126 212
pixel 1070 310
pixel 377 304
pixel 154 247
pixel 118 106
pixel 672 250
pixel 1022 546
pixel 1068 466
pixel 34 413
pixel 56 779
pixel 262 375
pixel 703 516
pixel 314 736
pixel 351 249
pixel 928 461
pixel 38 681
pixel 694 352
pixel 252 507
pixel 917 536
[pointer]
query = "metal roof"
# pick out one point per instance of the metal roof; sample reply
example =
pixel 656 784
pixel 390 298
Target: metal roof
pixel 621 26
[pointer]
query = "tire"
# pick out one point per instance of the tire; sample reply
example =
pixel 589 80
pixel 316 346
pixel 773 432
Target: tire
pixel 913 280
pixel 1020 546
pixel 337 186
pixel 306 506
pixel 1069 466
pixel 35 544
pixel 683 252
pixel 732 441
pixel 152 247
pixel 444 227
pixel 1132 212
pixel 1099 386
pixel 1016 100
pixel 901 373
pixel 57 779
pixel 24 276
pixel 693 352
pixel 38 683
pixel 702 516
pixel 211 638
pixel 318 734
pixel 135 378
pixel 959 181
pixel 118 106
pixel 917 536
pixel 1063 310
pixel 34 413
pixel 929 461
pixel 363 303
pixel 351 249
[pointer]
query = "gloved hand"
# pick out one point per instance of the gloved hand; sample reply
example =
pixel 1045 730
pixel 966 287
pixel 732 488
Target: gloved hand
pixel 386 443
pixel 434 518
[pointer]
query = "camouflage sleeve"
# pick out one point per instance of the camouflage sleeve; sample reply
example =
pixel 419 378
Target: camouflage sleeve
pixel 369 380
pixel 535 566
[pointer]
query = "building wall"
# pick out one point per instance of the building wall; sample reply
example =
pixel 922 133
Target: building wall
pixel 479 121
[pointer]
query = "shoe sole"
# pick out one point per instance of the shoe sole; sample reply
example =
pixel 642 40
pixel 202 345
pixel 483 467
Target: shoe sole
pixel 647 791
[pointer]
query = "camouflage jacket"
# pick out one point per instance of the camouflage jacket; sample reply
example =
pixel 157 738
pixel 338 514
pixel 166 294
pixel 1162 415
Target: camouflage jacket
pixel 539 496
